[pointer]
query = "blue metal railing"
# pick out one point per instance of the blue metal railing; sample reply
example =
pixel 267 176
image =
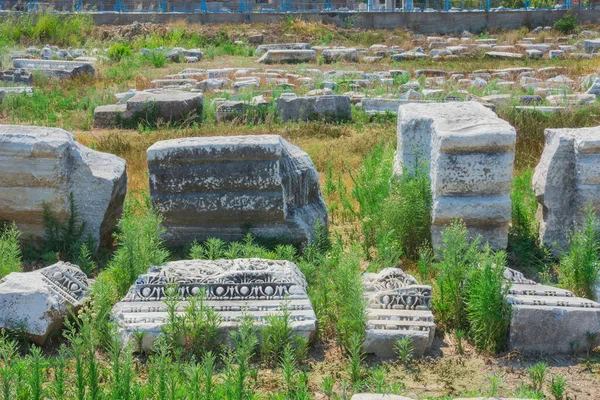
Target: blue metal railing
pixel 248 6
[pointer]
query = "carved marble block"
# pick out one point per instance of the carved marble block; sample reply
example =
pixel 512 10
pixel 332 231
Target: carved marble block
pixel 38 302
pixel 469 153
pixel 234 288
pixel 397 307
pixel 566 181
pixel 549 320
pixel 226 187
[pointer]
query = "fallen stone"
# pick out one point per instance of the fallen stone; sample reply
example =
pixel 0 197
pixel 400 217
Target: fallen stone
pixel 261 287
pixel 468 153
pixel 503 55
pixel 288 57
pixel 54 68
pixel 591 46
pixel 42 167
pixel 150 105
pixel 378 396
pixel 549 320
pixel 281 46
pixel 226 187
pixel 37 303
pixel 330 108
pixel 397 307
pixel 333 55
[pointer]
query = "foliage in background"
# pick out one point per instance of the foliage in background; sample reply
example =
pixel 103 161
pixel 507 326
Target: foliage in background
pixel 118 51
pixel 580 266
pixel 566 24
pixel 10 249
pixel 60 30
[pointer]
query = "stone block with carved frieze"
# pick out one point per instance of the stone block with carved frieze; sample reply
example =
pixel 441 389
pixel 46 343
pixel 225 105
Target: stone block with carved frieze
pixel 235 288
pixel 397 307
pixel 549 320
pixel 37 303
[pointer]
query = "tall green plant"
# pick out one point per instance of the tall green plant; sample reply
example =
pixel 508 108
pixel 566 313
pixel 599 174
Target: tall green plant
pixel 10 250
pixel 371 187
pixel 139 245
pixel 457 257
pixel 579 269
pixel 488 312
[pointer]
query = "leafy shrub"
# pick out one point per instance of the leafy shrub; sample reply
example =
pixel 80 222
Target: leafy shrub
pixel 566 24
pixel 118 51
pixel 488 312
pixel 158 59
pixel 524 248
pixel 406 213
pixel 10 250
pixel 404 349
pixel 139 246
pixel 347 297
pixel 457 258
pixel 371 187
pixel 580 267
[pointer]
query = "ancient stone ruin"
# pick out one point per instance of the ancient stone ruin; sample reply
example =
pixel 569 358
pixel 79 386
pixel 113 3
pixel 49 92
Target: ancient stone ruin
pixel 149 106
pixel 546 319
pixel 236 288
pixel 313 108
pixel 397 307
pixel 44 167
pixel 226 187
pixel 468 153
pixel 566 182
pixel 37 303
pixel 56 68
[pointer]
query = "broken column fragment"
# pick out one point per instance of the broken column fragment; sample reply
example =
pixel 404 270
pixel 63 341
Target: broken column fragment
pixel 468 153
pixel 397 307
pixel 566 182
pixel 226 187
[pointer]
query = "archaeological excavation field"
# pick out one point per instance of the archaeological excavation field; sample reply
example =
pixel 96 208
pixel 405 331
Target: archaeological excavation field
pixel 298 211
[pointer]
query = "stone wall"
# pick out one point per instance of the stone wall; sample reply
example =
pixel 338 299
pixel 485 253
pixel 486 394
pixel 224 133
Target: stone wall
pixel 226 187
pixel 429 22
pixel 468 152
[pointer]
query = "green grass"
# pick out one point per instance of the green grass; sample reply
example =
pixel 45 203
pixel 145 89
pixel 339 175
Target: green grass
pixel 10 250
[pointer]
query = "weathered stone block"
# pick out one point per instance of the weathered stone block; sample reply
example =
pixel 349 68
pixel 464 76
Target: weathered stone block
pixel 311 108
pixel 38 302
pixel 468 152
pixel 59 69
pixel 234 288
pixel 288 57
pixel 378 396
pixel 281 46
pixel 547 319
pixel 165 104
pixel 397 307
pixel 227 186
pixel 43 167
pixel 333 55
pixel 566 182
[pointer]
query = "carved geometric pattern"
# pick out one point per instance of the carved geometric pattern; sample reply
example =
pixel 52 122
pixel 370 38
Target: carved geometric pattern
pixel 67 281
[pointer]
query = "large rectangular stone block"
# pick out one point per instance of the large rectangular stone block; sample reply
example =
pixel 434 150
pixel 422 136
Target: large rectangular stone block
pixel 468 153
pixel 43 167
pixel 227 186
pixel 549 320
pixel 566 182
